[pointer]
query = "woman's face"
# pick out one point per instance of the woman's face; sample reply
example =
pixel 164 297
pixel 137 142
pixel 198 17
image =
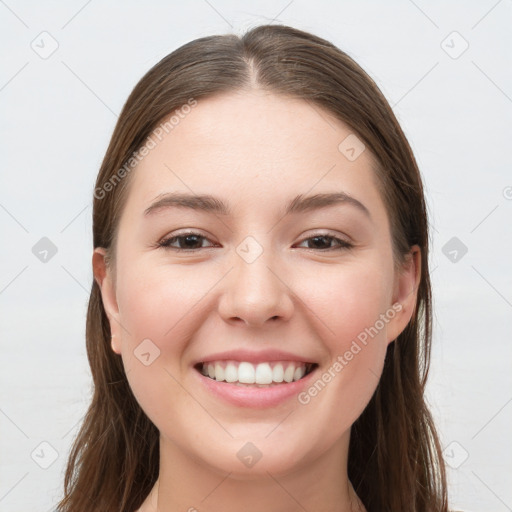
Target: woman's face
pixel 272 277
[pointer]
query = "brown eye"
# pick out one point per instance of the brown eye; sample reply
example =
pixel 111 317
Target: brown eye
pixel 323 243
pixel 185 242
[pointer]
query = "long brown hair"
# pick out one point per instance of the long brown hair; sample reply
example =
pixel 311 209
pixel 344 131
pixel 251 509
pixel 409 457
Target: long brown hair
pixel 395 460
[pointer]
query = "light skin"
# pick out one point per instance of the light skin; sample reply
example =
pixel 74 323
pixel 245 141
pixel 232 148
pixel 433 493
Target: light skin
pixel 255 151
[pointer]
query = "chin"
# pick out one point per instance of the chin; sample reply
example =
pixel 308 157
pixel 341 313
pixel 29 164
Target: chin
pixel 246 459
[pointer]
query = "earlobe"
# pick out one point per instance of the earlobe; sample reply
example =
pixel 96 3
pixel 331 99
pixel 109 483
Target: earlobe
pixel 405 293
pixel 115 344
pixel 103 277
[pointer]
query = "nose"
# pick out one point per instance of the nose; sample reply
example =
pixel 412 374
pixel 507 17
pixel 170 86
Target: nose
pixel 256 293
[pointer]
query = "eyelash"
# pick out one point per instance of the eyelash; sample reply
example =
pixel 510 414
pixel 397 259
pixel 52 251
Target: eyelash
pixel 165 244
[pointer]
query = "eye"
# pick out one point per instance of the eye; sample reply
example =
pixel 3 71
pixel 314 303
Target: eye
pixel 320 241
pixel 186 242
pixel 192 241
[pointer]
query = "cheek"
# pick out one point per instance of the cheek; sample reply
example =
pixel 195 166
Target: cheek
pixel 158 303
pixel 157 310
pixel 346 301
pixel 353 311
pixel 161 308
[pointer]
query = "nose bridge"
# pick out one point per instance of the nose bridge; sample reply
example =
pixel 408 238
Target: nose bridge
pixel 255 293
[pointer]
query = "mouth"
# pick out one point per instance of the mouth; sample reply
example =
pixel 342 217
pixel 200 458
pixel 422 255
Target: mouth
pixel 260 375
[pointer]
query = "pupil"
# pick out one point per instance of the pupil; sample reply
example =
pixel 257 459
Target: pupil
pixel 316 238
pixel 188 238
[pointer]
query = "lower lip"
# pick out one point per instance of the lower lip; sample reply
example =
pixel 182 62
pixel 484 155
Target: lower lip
pixel 254 397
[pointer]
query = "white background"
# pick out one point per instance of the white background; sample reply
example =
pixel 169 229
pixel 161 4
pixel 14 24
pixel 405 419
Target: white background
pixel 57 116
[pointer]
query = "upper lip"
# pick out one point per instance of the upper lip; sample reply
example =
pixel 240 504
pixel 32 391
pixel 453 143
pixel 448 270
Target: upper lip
pixel 260 356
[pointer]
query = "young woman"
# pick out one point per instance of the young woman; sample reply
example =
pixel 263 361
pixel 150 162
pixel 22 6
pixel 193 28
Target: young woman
pixel 259 325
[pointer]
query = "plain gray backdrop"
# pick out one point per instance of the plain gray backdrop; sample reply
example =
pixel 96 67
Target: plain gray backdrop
pixel 67 69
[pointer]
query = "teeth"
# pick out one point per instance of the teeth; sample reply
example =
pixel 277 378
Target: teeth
pixel 246 373
pixel 261 374
pixel 231 374
pixel 288 373
pixel 219 371
pixel 278 373
pixel 299 373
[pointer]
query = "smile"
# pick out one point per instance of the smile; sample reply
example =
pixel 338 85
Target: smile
pixel 264 374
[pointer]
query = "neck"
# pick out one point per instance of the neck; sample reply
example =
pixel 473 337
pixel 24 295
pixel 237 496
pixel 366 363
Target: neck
pixel 188 484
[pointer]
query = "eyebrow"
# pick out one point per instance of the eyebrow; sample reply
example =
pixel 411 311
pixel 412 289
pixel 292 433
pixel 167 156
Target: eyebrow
pixel 211 204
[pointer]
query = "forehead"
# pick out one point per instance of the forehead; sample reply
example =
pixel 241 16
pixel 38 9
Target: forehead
pixel 245 146
pixel 257 125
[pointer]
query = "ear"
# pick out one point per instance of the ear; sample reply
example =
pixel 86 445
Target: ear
pixel 405 293
pixel 104 279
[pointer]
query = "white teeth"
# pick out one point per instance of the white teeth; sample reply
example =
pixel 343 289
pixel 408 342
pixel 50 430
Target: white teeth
pixel 219 372
pixel 231 373
pixel 298 373
pixel 261 374
pixel 289 372
pixel 278 373
pixel 246 373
